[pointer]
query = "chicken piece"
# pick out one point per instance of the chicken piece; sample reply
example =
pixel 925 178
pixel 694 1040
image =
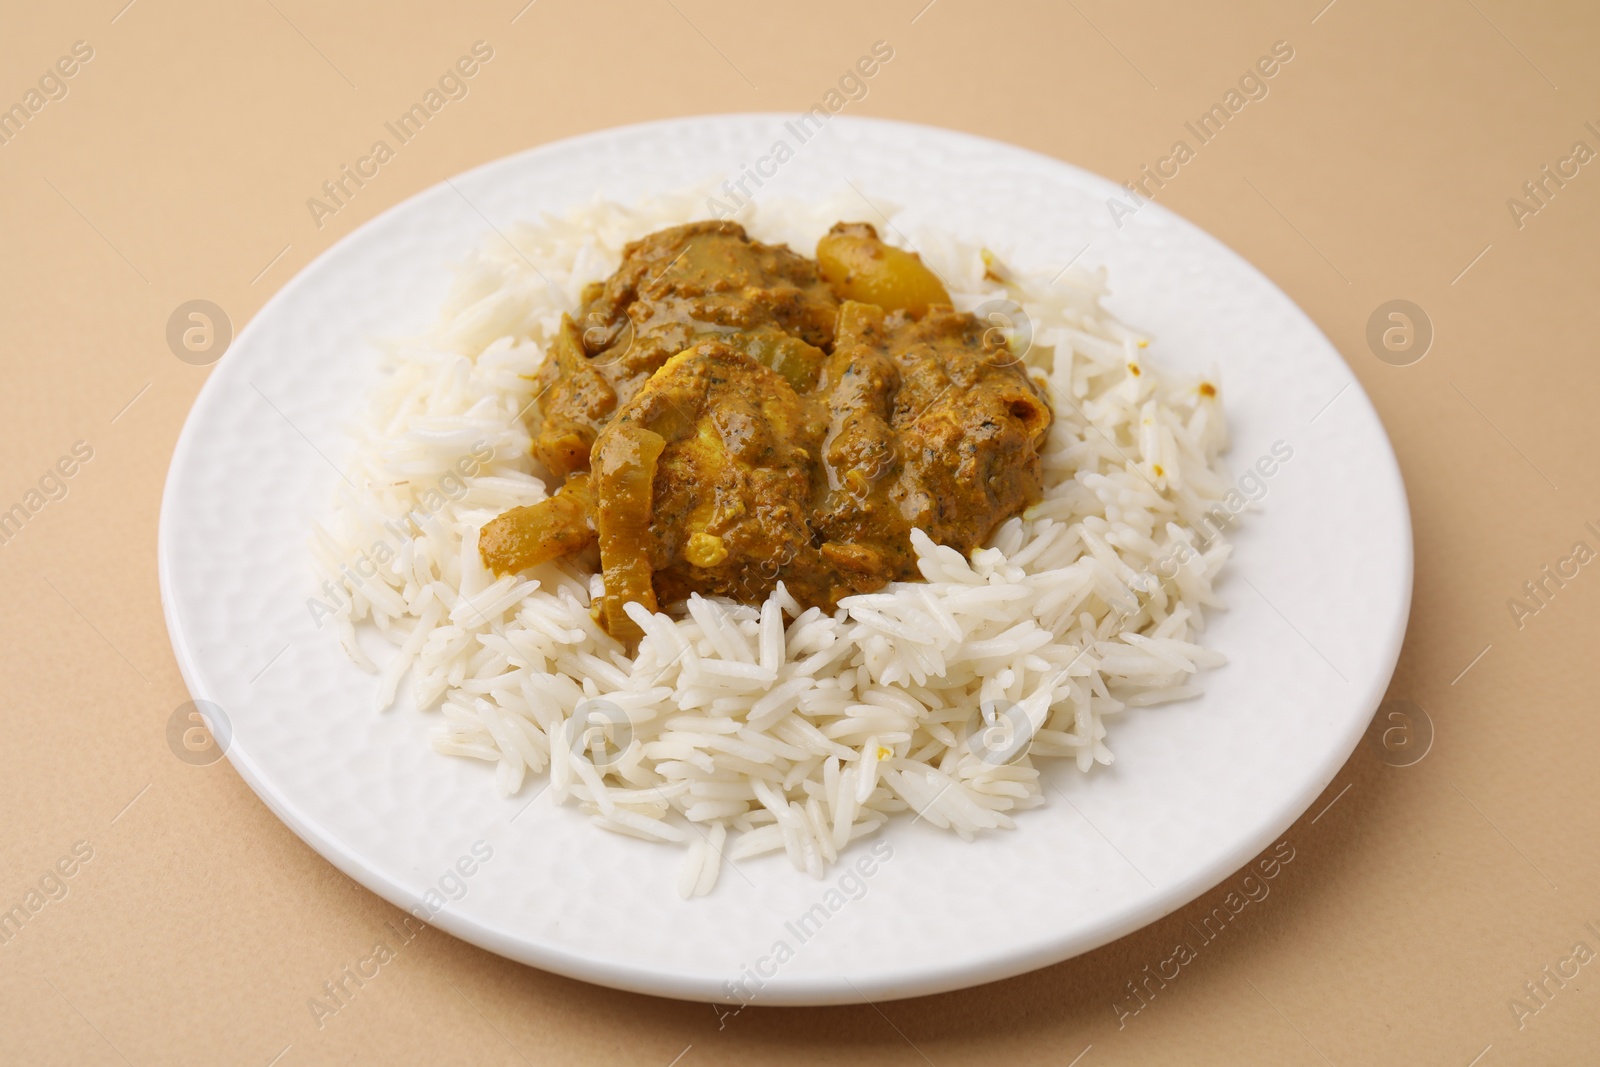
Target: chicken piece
pixel 971 424
pixel 731 486
pixel 934 426
pixel 673 288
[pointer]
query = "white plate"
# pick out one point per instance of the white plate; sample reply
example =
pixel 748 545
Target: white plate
pixel 1320 588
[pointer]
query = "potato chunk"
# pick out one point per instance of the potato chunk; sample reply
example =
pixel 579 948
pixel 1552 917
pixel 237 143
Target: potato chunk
pixel 861 267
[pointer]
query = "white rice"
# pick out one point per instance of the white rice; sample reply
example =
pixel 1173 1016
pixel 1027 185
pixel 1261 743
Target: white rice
pixel 744 729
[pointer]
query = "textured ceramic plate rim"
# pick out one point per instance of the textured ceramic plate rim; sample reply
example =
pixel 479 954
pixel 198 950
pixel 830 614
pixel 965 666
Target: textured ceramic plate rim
pixel 623 975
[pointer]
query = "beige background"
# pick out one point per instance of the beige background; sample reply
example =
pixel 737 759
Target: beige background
pixel 1379 167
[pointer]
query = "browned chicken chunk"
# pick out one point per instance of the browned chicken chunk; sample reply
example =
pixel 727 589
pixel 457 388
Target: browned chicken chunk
pixel 675 287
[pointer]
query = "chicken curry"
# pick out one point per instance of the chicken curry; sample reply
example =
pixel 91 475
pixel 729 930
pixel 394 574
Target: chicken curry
pixel 724 415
